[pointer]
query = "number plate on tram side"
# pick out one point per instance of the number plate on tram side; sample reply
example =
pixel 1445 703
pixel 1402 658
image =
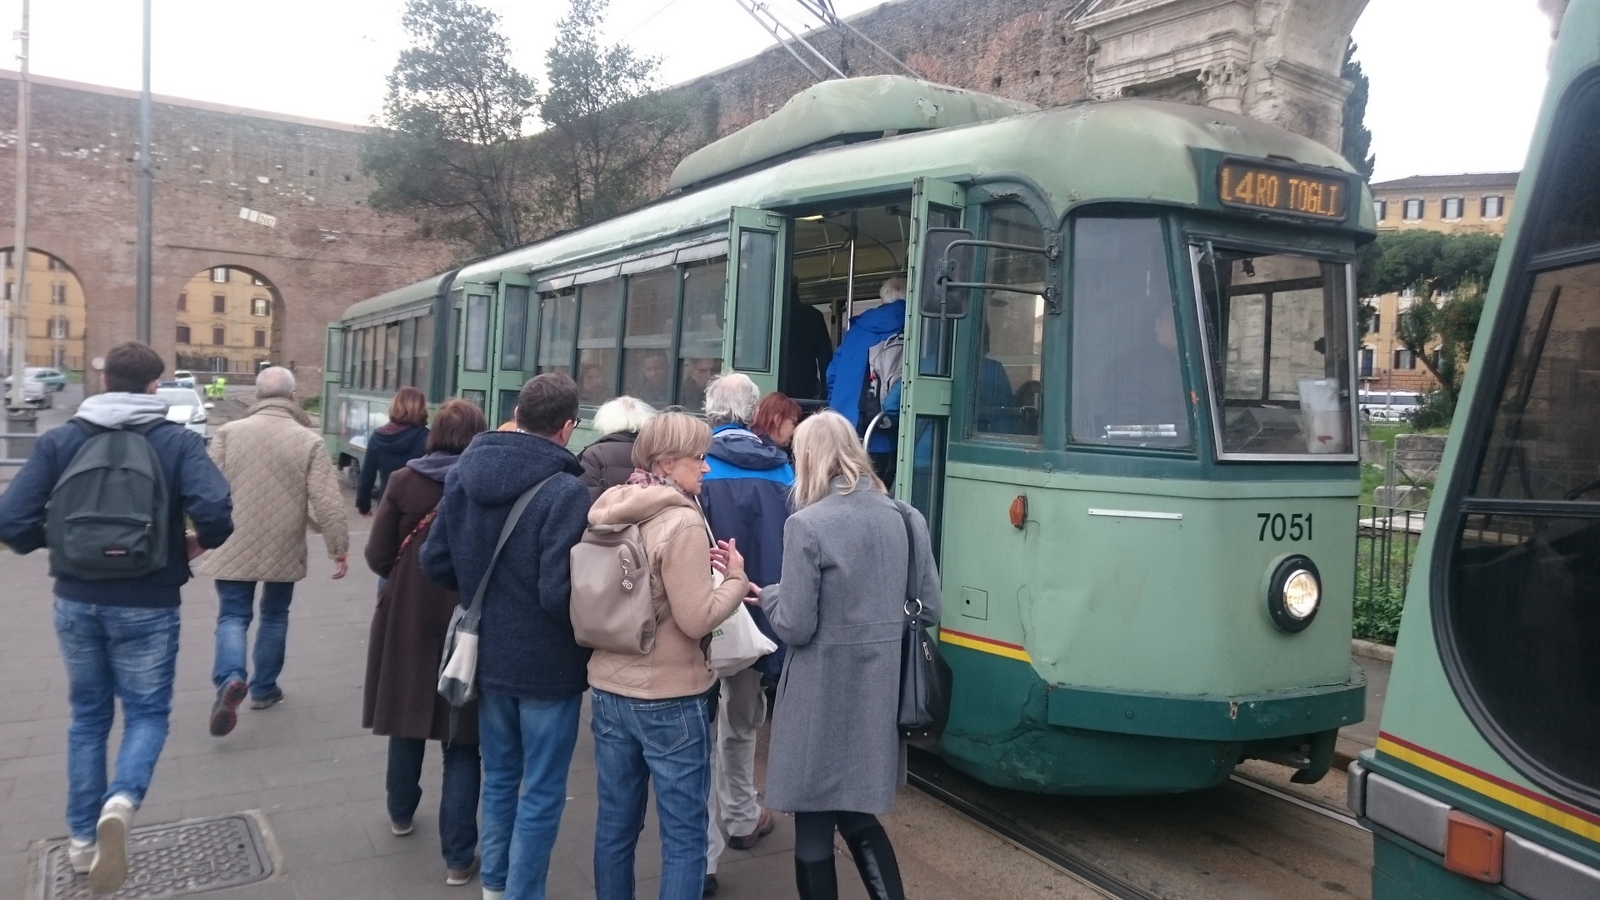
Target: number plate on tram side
pixel 1278 189
pixel 1284 527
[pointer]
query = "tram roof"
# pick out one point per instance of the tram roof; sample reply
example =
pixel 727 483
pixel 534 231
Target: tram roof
pixel 411 293
pixel 1132 151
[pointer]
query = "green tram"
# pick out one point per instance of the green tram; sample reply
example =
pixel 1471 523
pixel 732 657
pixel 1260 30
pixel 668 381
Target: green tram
pixel 1485 781
pixel 1129 416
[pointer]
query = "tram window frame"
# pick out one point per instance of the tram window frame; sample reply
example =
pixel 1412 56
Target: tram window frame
pixel 715 305
pixel 607 298
pixel 479 332
pixel 558 334
pixel 422 357
pixel 637 348
pixel 514 327
pixel 974 428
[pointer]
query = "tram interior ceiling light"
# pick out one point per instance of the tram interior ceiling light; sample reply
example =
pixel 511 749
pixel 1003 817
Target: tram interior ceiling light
pixel 1294 593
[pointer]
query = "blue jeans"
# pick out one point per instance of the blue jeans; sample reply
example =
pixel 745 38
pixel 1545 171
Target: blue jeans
pixel 236 601
pixel 123 652
pixel 458 797
pixel 527 746
pixel 636 741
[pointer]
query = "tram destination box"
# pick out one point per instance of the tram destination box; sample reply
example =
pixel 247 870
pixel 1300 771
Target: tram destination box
pixel 1303 193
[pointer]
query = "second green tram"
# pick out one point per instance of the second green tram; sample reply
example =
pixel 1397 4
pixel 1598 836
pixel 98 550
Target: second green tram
pixel 1129 415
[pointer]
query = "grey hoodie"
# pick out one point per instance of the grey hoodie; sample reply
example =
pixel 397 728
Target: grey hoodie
pixel 116 409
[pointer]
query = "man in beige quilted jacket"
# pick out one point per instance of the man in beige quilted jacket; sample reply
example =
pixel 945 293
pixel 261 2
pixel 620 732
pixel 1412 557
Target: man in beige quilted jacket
pixel 282 483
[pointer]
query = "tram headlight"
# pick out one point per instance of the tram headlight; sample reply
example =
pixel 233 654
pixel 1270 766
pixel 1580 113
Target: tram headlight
pixel 1294 593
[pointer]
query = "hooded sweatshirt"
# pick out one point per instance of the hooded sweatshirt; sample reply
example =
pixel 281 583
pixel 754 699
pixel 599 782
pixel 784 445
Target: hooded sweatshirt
pixel 848 370
pixel 525 643
pixel 388 448
pixel 194 488
pixel 689 609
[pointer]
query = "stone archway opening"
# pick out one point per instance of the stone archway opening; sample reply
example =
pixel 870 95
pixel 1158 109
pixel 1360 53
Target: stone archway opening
pixel 55 313
pixel 229 322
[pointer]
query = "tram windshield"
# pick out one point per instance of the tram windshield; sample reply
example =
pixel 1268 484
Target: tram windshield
pixel 1277 330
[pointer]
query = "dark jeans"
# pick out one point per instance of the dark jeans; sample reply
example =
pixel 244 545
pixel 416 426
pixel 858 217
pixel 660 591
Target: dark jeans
pixel 236 601
pixel 114 652
pixel 458 798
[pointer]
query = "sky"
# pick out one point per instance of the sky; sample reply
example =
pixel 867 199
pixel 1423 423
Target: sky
pixel 1455 83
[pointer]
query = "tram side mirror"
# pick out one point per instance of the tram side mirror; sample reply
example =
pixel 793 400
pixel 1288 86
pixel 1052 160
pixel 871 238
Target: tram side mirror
pixel 944 268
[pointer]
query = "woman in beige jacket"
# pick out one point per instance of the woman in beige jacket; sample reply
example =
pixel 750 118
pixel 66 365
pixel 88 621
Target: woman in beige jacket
pixel 651 712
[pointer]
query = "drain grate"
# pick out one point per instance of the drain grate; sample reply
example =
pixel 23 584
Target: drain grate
pixel 171 860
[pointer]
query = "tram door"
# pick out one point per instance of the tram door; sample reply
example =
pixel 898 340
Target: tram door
pixel 475 311
pixel 925 393
pixel 510 348
pixel 758 247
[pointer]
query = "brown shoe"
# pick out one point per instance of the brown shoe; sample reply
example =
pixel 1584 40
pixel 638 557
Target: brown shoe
pixel 764 826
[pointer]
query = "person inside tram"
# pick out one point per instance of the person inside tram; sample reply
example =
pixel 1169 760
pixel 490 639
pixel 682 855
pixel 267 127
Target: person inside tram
pixel 808 349
pixel 655 371
pixel 697 374
pixel 1144 393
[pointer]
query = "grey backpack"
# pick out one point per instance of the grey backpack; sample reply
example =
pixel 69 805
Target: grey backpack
pixel 613 603
pixel 107 517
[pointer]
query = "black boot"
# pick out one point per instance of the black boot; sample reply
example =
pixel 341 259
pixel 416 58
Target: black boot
pixel 874 857
pixel 816 880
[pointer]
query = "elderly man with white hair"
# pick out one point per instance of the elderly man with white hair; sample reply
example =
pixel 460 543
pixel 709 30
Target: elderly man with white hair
pixel 745 495
pixel 282 481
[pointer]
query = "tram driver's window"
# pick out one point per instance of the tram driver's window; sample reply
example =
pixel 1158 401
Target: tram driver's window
pixel 700 341
pixel 1007 394
pixel 1127 378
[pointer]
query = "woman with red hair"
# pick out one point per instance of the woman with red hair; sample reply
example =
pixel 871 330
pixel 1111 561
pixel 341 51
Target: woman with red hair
pixel 775 419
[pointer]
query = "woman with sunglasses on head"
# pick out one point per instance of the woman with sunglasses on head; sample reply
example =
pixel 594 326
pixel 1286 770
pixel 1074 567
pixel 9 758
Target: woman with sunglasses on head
pixel 651 712
pixel 841 609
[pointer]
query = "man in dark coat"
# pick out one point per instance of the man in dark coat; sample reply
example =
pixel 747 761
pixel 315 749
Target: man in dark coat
pixel 531 672
pixel 746 498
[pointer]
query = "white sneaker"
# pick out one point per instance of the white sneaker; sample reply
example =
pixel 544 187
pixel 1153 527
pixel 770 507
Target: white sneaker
pixel 80 854
pixel 110 866
pixel 493 895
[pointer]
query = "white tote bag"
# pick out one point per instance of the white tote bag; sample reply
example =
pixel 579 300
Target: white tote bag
pixel 737 644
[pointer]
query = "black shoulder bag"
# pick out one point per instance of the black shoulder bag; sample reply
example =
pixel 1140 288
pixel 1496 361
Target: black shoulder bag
pixel 925 677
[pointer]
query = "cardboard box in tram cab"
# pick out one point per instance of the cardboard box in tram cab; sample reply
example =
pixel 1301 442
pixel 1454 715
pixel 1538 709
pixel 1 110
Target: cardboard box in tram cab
pixel 1322 416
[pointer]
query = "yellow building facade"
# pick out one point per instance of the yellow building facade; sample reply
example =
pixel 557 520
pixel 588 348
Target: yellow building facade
pixel 1477 202
pixel 225 322
pixel 55 312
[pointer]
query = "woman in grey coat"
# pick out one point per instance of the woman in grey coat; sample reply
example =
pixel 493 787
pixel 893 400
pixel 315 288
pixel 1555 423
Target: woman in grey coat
pixel 835 758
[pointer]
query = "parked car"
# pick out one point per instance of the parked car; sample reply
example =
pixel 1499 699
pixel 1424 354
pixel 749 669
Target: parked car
pixel 183 378
pixel 1389 406
pixel 37 391
pixel 53 379
pixel 185 407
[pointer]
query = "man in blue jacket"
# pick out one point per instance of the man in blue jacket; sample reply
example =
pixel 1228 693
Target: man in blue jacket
pixel 847 373
pixel 119 637
pixel 531 671
pixel 746 498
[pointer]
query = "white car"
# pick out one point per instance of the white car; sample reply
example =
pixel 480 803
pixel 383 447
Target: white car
pixel 35 391
pixel 185 407
pixel 183 378
pixel 1390 406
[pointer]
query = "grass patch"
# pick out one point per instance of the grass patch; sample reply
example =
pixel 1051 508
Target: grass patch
pixel 1382 573
pixel 312 405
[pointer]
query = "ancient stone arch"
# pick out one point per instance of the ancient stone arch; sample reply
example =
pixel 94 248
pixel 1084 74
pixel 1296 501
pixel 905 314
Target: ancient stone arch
pixel 56 311
pixel 228 319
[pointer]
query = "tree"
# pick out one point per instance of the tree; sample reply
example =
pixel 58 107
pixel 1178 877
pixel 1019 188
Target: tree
pixel 1357 139
pixel 451 144
pixel 1448 273
pixel 609 123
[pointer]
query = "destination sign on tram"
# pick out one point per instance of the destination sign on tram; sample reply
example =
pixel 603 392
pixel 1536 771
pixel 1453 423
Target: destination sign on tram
pixel 1282 190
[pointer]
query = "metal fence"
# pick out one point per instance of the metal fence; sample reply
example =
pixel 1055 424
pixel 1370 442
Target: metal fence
pixel 1386 548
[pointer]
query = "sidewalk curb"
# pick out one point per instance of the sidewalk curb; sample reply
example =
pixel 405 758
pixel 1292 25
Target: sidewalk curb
pixel 1369 650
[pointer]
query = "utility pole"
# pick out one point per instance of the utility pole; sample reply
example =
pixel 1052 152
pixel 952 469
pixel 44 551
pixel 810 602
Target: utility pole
pixel 19 249
pixel 142 310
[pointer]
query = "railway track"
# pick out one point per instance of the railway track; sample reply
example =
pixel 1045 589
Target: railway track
pixel 1124 847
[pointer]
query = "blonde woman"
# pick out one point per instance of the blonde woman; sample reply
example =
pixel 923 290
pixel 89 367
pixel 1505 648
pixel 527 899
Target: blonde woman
pixel 840 609
pixel 651 712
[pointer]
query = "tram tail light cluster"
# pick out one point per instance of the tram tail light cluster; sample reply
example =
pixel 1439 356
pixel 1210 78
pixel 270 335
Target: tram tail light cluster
pixel 1473 847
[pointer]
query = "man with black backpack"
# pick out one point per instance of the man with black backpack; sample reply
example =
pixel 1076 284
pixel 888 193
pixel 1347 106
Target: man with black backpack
pixel 108 493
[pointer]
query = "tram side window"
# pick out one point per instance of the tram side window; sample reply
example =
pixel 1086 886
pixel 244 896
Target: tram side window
pixel 476 356
pixel 700 340
pixel 1009 378
pixel 758 261
pixel 514 330
pixel 647 342
pixel 599 327
pixel 559 313
pixel 422 364
pixel 408 352
pixel 391 356
pixel 1127 376
pixel 1570 216
pixel 351 350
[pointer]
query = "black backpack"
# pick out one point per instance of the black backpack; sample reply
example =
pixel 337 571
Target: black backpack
pixel 107 516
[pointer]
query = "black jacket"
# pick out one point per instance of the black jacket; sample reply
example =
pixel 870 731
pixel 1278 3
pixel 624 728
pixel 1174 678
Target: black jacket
pixel 525 643
pixel 386 452
pixel 607 462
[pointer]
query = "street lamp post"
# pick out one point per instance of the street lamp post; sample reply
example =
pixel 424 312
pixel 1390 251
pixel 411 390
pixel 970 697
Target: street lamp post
pixel 19 248
pixel 142 310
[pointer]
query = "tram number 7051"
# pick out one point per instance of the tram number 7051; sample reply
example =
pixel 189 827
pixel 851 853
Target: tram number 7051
pixel 1294 527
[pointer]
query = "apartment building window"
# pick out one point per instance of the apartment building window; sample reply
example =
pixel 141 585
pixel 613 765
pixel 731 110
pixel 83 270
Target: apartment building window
pixel 257 280
pixel 59 328
pixel 1400 322
pixel 56 265
pixel 1380 209
pixel 1405 359
pixel 261 337
pixel 219 303
pixel 219 336
pixel 260 307
pixel 1413 210
pixel 183 303
pixel 5 259
pixel 9 289
pixel 58 294
pixel 1377 323
pixel 1494 206
pixel 219 364
pixel 183 334
pixel 1450 207
pixel 219 275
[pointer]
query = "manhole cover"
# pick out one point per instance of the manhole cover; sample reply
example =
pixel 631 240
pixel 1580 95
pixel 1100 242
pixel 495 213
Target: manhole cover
pixel 170 860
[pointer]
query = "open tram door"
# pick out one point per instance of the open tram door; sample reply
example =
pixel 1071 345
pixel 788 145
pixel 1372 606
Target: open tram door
pixel 472 322
pixel 758 249
pixel 925 383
